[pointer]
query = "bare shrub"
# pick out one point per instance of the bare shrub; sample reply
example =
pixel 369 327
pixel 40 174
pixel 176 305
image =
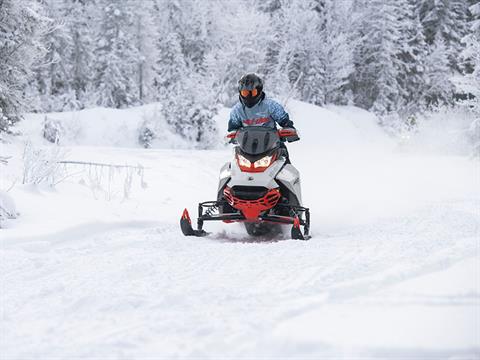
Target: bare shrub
pixel 109 180
pixel 42 165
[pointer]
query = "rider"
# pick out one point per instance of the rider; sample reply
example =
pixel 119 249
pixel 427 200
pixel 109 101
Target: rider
pixel 255 109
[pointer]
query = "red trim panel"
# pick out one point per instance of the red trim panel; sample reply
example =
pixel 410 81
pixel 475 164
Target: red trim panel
pixel 287 132
pixel 252 209
pixel 232 135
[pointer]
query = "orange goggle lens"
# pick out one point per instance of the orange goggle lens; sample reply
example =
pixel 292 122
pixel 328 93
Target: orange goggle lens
pixel 245 93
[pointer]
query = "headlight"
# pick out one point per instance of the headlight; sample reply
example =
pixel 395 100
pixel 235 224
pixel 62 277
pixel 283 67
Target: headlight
pixel 263 162
pixel 243 162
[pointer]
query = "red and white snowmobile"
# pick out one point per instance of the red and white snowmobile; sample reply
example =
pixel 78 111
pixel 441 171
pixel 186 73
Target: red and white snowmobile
pixel 259 187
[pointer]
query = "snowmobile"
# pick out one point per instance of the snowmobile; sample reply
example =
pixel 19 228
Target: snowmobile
pixel 259 188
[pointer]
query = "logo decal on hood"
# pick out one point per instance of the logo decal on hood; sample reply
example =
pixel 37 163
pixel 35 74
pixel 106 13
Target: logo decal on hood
pixel 258 121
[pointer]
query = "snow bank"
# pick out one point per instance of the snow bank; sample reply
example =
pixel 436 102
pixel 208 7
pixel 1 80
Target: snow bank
pixel 338 127
pixel 445 132
pixel 105 127
pixel 331 128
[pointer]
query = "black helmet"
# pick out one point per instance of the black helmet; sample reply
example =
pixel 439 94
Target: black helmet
pixel 250 88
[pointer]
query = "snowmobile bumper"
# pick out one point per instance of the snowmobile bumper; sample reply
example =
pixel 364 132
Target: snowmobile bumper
pixel 208 211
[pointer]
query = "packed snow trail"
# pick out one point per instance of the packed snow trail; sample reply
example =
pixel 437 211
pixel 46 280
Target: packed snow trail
pixel 392 268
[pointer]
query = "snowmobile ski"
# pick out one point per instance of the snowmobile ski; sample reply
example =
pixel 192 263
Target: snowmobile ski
pixel 186 226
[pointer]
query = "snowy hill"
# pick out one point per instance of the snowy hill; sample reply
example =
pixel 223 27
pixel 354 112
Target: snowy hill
pixel 98 267
pixel 335 126
pixel 104 127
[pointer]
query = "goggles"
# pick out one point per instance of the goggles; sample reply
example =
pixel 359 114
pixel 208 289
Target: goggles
pixel 245 92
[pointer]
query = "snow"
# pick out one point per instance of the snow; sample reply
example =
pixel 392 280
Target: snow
pixel 392 269
pixel 444 132
pixel 107 127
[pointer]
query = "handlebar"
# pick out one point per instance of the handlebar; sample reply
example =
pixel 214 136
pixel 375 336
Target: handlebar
pixel 285 134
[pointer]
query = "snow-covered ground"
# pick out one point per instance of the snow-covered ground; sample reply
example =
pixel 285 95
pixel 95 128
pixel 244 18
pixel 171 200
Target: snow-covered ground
pixel 392 269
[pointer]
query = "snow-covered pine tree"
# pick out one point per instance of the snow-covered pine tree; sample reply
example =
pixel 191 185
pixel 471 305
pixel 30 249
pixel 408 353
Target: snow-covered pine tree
pixel 180 83
pixel 170 71
pixel 413 55
pixel 377 65
pixel 53 74
pixel 269 6
pixel 144 32
pixel 273 42
pixel 314 77
pixel 446 19
pixel 22 25
pixel 64 77
pixel 299 63
pixel 239 34
pixel 116 56
pixel 197 34
pixel 337 55
pixel 309 54
pixel 170 67
pixel 81 18
pixel 439 88
pixel 472 55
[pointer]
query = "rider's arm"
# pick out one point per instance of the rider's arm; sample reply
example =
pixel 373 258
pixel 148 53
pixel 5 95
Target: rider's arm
pixel 235 121
pixel 278 113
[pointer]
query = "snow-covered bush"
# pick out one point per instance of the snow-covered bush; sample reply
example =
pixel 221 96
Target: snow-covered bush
pixel 52 130
pixel 145 136
pixel 42 165
pixel 6 121
pixel 7 207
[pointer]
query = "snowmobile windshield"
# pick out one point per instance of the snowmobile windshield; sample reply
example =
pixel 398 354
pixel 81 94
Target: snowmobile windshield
pixel 255 140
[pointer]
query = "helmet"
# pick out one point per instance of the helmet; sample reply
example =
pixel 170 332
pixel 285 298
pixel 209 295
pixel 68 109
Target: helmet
pixel 250 88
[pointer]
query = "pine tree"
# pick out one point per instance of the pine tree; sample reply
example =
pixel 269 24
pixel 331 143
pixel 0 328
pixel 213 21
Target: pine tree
pixel 22 25
pixel 446 19
pixel 413 55
pixel 377 65
pixel 337 56
pixel 240 38
pixel 299 66
pixel 273 41
pixel 53 74
pixel 312 56
pixel 116 56
pixel 439 89
pixel 144 33
pixel 187 103
pixel 82 32
pixel 472 54
pixel 269 6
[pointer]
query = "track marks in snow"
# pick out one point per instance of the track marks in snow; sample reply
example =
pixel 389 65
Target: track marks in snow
pixel 144 289
pixel 72 235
